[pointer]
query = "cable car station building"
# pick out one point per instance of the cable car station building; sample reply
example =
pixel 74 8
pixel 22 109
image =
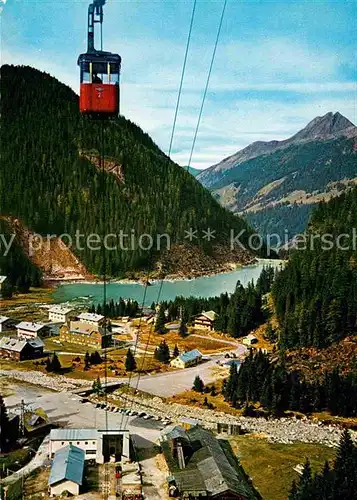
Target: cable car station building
pixel 99 445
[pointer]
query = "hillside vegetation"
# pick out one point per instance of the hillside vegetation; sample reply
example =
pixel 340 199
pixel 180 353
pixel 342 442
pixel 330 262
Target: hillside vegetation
pixel 50 180
pixel 276 184
pixel 316 294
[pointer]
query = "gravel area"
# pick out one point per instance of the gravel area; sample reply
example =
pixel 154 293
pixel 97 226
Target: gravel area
pixel 283 430
pixel 56 382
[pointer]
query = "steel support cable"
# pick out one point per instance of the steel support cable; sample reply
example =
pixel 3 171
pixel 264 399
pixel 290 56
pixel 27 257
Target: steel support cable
pixel 104 277
pixel 168 160
pixel 192 149
pixel 134 351
pixel 207 82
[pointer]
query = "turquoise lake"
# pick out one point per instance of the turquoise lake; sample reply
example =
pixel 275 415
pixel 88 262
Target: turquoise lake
pixel 200 287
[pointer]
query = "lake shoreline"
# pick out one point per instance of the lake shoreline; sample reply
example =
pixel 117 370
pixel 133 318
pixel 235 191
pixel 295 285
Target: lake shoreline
pixel 173 278
pixel 203 286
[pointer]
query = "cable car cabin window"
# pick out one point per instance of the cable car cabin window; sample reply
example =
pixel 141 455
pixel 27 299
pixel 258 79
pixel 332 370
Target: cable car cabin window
pixel 100 73
pixel 85 77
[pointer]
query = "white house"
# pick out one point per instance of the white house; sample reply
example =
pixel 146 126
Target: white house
pixel 96 320
pixel 6 324
pixel 250 340
pixel 67 471
pixel 190 358
pixel 28 330
pixel 60 314
pixel 100 445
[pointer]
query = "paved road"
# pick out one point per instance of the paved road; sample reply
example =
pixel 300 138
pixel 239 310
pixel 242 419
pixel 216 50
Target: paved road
pixel 168 384
pixel 67 410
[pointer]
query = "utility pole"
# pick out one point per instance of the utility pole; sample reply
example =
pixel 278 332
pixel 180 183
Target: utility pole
pixel 22 418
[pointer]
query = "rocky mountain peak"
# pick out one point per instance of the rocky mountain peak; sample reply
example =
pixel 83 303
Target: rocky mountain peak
pixel 324 127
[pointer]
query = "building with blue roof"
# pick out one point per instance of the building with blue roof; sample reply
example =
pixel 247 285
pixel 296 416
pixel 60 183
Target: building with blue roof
pixel 67 471
pixel 190 358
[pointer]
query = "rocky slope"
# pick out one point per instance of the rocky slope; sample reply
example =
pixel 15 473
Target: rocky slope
pixel 51 256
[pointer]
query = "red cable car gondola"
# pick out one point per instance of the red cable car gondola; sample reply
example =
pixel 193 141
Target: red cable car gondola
pixel 99 72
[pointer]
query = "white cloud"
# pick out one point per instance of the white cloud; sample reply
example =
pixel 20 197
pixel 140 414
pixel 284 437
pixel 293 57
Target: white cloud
pixel 306 82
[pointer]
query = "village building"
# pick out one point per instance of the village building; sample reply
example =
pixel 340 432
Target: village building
pixel 205 320
pixel 190 358
pixel 99 445
pixel 21 349
pixel 67 471
pixel 250 340
pixel 96 320
pixel 29 330
pixel 147 314
pixel 3 279
pixel 200 467
pixel 6 324
pixel 35 421
pixel 187 422
pixel 80 332
pixel 60 314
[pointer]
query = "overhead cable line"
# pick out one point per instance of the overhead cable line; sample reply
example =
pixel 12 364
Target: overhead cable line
pixel 168 160
pixel 207 82
pixel 192 148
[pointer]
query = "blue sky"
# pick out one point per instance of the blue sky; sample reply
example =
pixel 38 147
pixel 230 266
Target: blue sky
pixel 278 64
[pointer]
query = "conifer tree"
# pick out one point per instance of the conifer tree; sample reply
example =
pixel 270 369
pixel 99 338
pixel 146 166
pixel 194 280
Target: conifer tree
pixel 86 361
pixel 175 352
pixel 55 363
pixel 4 427
pixel 49 365
pixel 345 468
pixel 198 384
pixel 130 362
pixel 183 328
pixel 161 320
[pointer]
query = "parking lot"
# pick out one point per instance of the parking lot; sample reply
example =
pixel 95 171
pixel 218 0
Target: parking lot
pixel 68 410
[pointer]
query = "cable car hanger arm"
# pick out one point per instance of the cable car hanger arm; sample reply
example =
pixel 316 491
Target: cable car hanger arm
pixel 95 15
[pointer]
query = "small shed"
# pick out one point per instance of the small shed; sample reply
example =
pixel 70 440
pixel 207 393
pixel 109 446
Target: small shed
pixel 250 340
pixel 6 324
pixel 67 471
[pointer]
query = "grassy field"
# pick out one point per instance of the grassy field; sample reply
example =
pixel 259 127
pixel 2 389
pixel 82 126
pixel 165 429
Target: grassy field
pixel 26 306
pixel 208 345
pixel 15 459
pixel 193 398
pixel 53 344
pixel 36 484
pixel 271 465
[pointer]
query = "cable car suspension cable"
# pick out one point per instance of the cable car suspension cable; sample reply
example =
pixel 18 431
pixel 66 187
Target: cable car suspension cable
pixel 191 153
pixel 168 160
pixel 207 82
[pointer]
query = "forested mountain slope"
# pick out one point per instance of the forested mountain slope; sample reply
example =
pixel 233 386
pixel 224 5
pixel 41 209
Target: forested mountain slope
pixel 316 294
pixel 14 263
pixel 274 185
pixel 49 178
